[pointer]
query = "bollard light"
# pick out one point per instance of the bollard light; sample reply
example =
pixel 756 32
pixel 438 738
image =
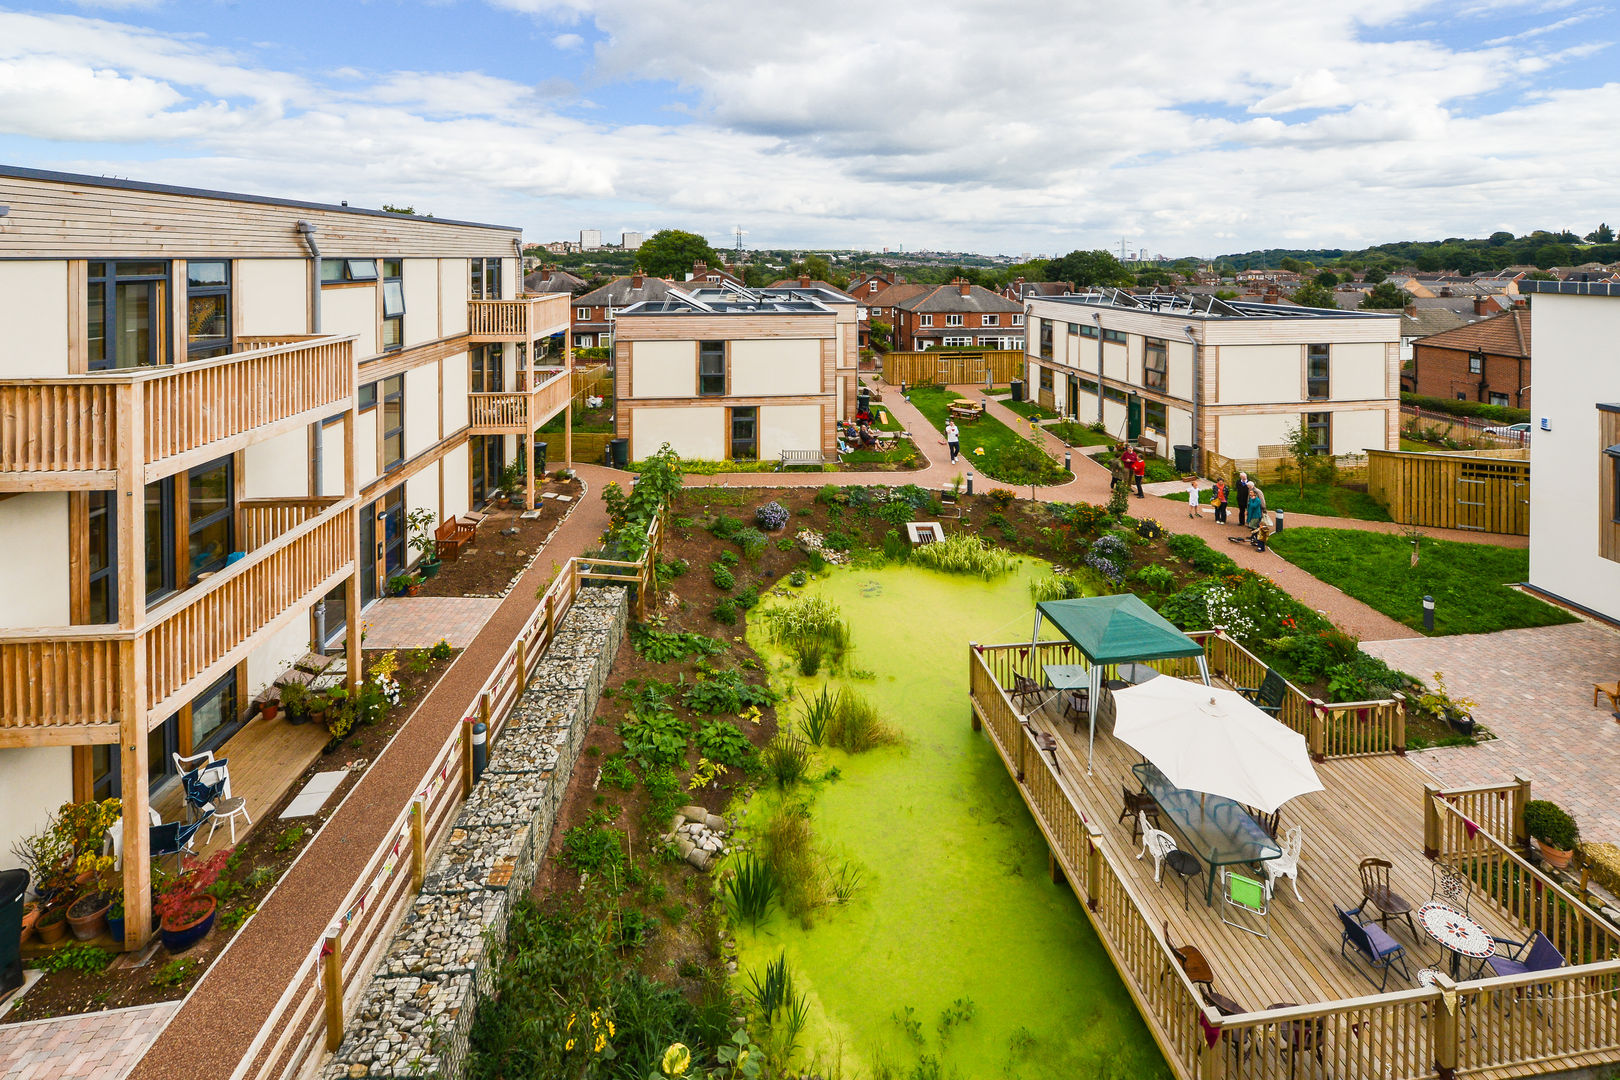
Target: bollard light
pixel 1428 613
pixel 1279 521
pixel 480 736
pixel 970 482
pixel 1066 461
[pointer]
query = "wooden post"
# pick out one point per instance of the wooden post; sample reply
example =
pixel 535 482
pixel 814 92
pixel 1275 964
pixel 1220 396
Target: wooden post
pixel 418 843
pixel 1431 822
pixel 1443 1015
pixel 332 976
pixel 522 663
pixel 1520 797
pixel 1093 866
pixel 1211 1061
pixel 528 444
pixel 353 641
pixel 132 744
pixel 568 413
pixel 1400 725
pixel 466 756
pixel 1318 731
pixel 1054 868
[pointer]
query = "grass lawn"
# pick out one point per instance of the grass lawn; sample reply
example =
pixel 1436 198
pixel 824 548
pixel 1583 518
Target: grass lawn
pixel 1323 500
pixel 885 418
pixel 1469 582
pixel 1076 434
pixel 1004 449
pixel 1417 446
pixel 1030 410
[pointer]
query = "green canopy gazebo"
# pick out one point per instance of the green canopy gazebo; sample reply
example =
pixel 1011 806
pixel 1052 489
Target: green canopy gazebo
pixel 1112 630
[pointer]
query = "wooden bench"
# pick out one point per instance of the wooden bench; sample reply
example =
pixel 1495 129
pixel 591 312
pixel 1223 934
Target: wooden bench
pixel 452 536
pixel 800 457
pixel 966 410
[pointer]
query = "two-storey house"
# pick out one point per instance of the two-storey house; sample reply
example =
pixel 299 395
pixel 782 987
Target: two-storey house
pixel 957 315
pixel 594 311
pixel 1486 361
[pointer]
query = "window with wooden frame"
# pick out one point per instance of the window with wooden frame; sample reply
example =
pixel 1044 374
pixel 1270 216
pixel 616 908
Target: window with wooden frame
pixel 128 314
pixel 711 369
pixel 485 279
pixel 101 557
pixel 1155 364
pixel 346 271
pixel 1317 382
pixel 1115 336
pixel 1320 427
pixel 366 396
pixel 1609 482
pixel 953 320
pixel 1046 379
pixel 208 308
pixel 393 302
pixel 1476 362
pixel 486 377
pixel 215 714
pixel 1046 338
pixel 744 434
pixel 392 427
pixel 160 514
pixel 1088 330
pixel 210 517
pixel 1155 416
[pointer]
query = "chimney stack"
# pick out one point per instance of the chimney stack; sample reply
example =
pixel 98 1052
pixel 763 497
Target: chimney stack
pixel 1411 309
pixel 1482 305
pixel 699 268
pixel 637 280
pixel 962 286
pixel 804 281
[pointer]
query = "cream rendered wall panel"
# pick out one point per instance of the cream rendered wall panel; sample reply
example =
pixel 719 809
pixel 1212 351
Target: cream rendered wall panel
pixel 1259 373
pixel 283 649
pixel 697 432
pixel 511 277
pixel 352 310
pixel 1072 350
pixel 453 278
pixel 36 780
pixel 457 380
pixel 1242 435
pixel 1179 381
pixel 272 296
pixel 1357 372
pixel 365 446
pixel 788 427
pixel 663 369
pixel 1358 430
pixel 1180 423
pixel 279 467
pixel 1087 411
pixel 422 493
pixel 34 574
pixel 33 320
pixel 421 408
pixel 457 480
pixel 768 367
pixel 1088 355
pixel 421 300
pixel 332 451
pixel 1114 418
pixel 1577 366
pixel 1115 361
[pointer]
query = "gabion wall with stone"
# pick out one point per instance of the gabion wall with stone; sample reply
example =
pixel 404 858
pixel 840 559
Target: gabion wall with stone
pixel 416 1012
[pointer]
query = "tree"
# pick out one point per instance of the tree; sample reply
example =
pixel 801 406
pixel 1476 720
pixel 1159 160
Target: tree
pixel 1548 256
pixel 389 208
pixel 1428 262
pixel 1385 296
pixel 670 253
pixel 881 334
pixel 1327 279
pixel 1301 446
pixel 1498 239
pixel 1090 268
pixel 1601 235
pixel 1292 265
pixel 1155 277
pixel 1314 294
pixel 1374 275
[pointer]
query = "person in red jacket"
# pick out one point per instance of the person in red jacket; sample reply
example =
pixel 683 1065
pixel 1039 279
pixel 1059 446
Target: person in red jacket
pixel 1139 467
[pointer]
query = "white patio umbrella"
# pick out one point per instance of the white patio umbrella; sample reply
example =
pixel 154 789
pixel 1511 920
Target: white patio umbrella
pixel 1215 741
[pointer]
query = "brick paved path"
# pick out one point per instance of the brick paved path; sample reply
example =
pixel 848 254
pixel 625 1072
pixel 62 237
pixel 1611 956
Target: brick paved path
pixel 90 1046
pixel 1534 689
pixel 218 1021
pixel 418 622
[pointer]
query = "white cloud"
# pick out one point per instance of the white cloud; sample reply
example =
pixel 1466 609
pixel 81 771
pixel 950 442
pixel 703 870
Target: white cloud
pixel 567 41
pixel 1001 127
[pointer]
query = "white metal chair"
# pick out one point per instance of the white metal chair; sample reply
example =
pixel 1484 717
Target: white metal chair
pixel 210 770
pixel 229 809
pixel 1286 865
pixel 1156 842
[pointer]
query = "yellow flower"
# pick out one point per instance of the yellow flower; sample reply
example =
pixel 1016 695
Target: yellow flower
pixel 596 1018
pixel 570 1026
pixel 676 1059
pixel 611 1030
pixel 601 1041
pixel 742 1056
pixel 569 1045
pixel 979 450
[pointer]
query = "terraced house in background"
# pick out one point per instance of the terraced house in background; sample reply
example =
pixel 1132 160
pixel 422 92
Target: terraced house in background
pixel 1227 376
pixel 958 315
pixel 215 412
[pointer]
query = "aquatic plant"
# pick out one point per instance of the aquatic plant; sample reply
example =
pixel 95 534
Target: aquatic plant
pixel 785 759
pixel 857 726
pixel 964 553
pixel 1056 587
pixel 750 890
pixel 818 715
pixel 809 620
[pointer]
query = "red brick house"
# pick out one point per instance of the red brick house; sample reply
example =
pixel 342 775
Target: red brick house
pixel 1487 361
pixel 958 314
pixel 592 322
pixel 1021 290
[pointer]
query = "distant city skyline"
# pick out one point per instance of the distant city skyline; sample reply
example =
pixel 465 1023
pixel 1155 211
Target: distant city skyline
pixel 1224 128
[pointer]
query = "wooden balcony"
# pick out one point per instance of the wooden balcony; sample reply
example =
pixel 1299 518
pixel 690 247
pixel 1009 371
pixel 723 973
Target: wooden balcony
pixel 523 319
pixel 78 432
pixel 1295 981
pixel 518 413
pixel 72 685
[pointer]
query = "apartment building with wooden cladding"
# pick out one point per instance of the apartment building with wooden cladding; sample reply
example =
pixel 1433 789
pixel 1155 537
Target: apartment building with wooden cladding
pixel 1227 376
pixel 215 411
pixel 736 374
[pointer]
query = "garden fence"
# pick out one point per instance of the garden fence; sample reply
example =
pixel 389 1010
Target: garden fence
pixel 1487 491
pixel 941 367
pixel 1273 465
pixel 1469 432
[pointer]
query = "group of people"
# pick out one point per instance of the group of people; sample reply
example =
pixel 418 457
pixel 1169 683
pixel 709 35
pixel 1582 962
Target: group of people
pixel 1129 466
pixel 1251 503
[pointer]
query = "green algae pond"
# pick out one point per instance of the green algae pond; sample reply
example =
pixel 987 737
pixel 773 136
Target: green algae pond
pixel 956 954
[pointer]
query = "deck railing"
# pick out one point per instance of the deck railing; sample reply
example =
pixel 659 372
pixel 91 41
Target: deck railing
pixel 522 319
pixel 260 521
pixel 520 411
pixel 56 682
pixel 168 417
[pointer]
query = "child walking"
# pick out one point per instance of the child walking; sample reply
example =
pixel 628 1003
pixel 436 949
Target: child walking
pixel 1193 509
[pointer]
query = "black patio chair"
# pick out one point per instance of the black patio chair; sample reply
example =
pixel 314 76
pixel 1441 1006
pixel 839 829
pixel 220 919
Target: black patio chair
pixel 1269 695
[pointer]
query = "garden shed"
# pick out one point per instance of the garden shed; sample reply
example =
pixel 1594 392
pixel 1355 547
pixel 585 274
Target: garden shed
pixel 1484 491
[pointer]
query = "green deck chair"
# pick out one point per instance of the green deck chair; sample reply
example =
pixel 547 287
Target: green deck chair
pixel 1249 896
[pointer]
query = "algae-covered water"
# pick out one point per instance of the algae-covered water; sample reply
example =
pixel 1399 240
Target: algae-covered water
pixel 954 903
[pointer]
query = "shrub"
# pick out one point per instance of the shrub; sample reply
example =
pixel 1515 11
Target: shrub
pixel 663 793
pixel 753 543
pixel 785 759
pixel 175 972
pixel 1001 498
pixel 1199 555
pixel 729 559
pixel 964 553
pixel 771 516
pixel 724 526
pixel 442 650
pixel 856 725
pixel 1056 587
pixel 594 848
pixel 895 546
pixel 798 579
pixel 723 578
pixel 79 956
pixel 654 737
pixel 748 598
pixel 1551 824
pixel 725 612
pixel 1155 578
pixel 661 647
pixel 838 540
pixel 809 619
pixel 750 890
pixel 725 692
pixel 1109 555
pixel 1087 519
pixel 723 741
pixel 616 772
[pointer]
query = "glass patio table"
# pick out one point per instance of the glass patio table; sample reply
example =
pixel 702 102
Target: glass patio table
pixel 1216 829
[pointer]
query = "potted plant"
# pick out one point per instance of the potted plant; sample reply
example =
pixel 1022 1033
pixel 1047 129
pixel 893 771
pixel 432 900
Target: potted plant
pixel 52 925
pixel 406 584
pixel 295 699
pixel 1456 711
pixel 270 703
pixel 115 916
pixel 30 917
pixel 421 523
pixel 1552 831
pixel 87 915
pixel 185 909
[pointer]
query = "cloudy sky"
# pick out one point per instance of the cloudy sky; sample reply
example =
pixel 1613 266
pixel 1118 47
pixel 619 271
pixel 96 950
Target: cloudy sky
pixel 1006 126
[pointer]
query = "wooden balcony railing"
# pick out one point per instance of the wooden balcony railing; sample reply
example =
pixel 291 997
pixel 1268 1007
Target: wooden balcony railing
pixel 260 521
pixel 75 432
pixel 521 412
pixel 523 319
pixel 56 683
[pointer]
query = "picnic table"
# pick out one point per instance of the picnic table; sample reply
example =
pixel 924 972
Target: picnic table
pixel 966 410
pixel 1216 829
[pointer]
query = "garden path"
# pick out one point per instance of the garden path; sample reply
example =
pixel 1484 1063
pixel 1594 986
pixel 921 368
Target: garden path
pixel 418 622
pixel 244 983
pixel 1534 689
pixel 88 1046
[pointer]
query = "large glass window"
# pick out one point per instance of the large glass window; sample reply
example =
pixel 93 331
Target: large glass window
pixel 1316 373
pixel 711 368
pixel 1153 415
pixel 744 434
pixel 214 714
pixel 102 536
pixel 159 539
pixel 210 530
pixel 485 280
pixel 1046 338
pixel 335 271
pixel 393 421
pixel 1115 336
pixel 393 329
pixel 1320 426
pixel 208 309
pixel 1155 364
pixel 486 369
pixel 1088 330
pixel 128 314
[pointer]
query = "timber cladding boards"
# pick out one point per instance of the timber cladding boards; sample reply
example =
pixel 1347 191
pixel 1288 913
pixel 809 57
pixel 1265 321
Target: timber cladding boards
pixel 54 216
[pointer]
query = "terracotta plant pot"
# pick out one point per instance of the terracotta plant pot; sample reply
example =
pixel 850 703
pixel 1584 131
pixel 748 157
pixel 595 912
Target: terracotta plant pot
pixel 178 937
pixel 87 916
pixel 52 926
pixel 412 590
pixel 1557 858
pixel 30 917
pixel 270 710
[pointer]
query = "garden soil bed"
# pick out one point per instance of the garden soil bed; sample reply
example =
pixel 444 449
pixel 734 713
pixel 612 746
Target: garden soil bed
pixel 491 563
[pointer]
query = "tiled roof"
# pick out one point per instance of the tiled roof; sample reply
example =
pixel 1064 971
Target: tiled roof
pixel 559 281
pixel 1430 321
pixel 897 295
pixel 620 293
pixel 1507 334
pixel 950 298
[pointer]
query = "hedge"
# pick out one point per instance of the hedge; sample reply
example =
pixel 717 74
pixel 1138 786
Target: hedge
pixel 1498 414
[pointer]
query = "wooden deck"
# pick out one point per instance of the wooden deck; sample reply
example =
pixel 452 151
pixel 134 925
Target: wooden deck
pixel 266 759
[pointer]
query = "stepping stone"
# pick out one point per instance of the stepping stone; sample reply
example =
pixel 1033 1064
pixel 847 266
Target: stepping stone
pixel 565 498
pixel 529 515
pixel 308 803
pixel 549 495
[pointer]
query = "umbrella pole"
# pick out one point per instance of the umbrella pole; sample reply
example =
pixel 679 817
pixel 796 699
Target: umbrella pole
pixel 1091 746
pixel 1203 668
